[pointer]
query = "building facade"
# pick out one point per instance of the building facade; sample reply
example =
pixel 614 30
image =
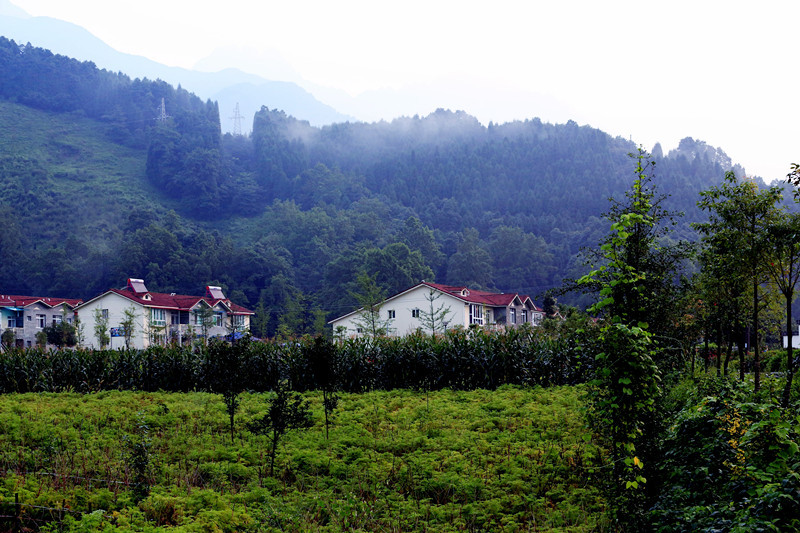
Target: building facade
pixel 27 316
pixel 158 318
pixel 434 308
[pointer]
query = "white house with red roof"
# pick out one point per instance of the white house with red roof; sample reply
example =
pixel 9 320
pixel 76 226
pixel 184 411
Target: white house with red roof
pixel 411 309
pixel 161 317
pixel 28 315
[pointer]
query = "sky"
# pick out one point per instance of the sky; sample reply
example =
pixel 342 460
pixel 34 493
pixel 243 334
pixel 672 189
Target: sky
pixel 724 72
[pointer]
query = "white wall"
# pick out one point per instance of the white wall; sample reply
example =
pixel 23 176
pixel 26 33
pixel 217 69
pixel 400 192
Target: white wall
pixel 403 305
pixel 116 306
pixel 795 340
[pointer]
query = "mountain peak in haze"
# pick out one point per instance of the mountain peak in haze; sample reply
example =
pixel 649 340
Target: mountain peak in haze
pixel 7 9
pixel 228 86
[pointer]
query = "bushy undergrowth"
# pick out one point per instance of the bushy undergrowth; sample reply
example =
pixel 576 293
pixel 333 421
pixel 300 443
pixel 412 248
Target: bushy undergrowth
pixel 730 460
pixel 512 459
pixel 462 360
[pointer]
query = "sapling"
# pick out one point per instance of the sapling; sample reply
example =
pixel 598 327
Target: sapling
pixel 287 410
pixel 321 358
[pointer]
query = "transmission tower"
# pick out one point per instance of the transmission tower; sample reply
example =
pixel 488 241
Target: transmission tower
pixel 237 121
pixel 162 113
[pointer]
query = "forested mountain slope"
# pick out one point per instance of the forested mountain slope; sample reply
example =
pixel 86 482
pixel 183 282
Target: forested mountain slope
pixel 94 188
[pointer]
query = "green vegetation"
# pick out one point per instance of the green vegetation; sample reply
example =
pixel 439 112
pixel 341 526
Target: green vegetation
pixel 93 190
pixel 507 460
pixel 303 224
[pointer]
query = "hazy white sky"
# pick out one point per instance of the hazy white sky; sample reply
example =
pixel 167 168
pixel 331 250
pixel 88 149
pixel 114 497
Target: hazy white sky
pixel 724 72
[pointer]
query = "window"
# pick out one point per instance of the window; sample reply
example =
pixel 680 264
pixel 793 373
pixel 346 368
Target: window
pixel 158 317
pixel 391 313
pixel 57 319
pixel 218 319
pixel 513 315
pixel 175 318
pixel 12 322
pixel 238 320
pixel 415 313
pixel 475 314
pixel 537 319
pixel 524 316
pixel 104 314
pixel 41 320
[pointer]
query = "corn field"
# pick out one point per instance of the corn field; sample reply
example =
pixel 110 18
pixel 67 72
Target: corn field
pixel 459 360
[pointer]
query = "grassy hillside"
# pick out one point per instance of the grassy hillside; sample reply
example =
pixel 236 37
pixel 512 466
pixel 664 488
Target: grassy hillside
pixel 77 176
pixel 508 460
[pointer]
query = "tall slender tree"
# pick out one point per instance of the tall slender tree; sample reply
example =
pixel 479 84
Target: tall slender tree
pixel 371 298
pixel 784 269
pixel 739 215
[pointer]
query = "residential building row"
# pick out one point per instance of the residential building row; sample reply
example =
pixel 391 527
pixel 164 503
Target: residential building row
pixel 451 306
pixel 156 317
pixel 26 316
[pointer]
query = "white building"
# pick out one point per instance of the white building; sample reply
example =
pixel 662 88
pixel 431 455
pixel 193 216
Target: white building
pixel 160 317
pixel 795 340
pixel 409 311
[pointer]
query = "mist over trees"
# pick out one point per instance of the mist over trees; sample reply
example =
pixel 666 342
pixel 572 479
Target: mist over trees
pixel 287 219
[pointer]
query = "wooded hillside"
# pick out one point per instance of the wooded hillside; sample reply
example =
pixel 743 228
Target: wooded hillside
pixel 94 189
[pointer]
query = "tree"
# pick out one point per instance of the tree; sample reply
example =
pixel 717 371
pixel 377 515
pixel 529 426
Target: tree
pixel 8 338
pixel 739 215
pixel 471 265
pixel 224 369
pixel 550 306
pixel 61 334
pixel 418 237
pixel 286 411
pixel 321 358
pixel 371 298
pixel 640 241
pixel 784 269
pixel 521 261
pixel 434 319
pixel 626 386
pixel 206 317
pixel 101 327
pixel 128 325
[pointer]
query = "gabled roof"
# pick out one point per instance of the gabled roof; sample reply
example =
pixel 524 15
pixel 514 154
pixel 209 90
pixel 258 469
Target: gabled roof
pixel 492 299
pixel 9 300
pixel 467 295
pixel 136 292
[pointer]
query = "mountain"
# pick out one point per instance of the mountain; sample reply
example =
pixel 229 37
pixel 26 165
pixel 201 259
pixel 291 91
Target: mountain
pixel 97 186
pixel 229 86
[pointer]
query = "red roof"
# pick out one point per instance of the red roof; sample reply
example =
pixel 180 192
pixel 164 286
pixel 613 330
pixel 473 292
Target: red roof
pixel 9 300
pixel 178 302
pixel 493 299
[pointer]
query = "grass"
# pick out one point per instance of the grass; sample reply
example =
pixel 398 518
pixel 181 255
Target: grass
pixel 91 182
pixel 515 459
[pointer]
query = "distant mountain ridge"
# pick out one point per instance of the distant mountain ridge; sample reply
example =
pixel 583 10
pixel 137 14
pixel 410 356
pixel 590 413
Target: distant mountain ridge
pixel 228 87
